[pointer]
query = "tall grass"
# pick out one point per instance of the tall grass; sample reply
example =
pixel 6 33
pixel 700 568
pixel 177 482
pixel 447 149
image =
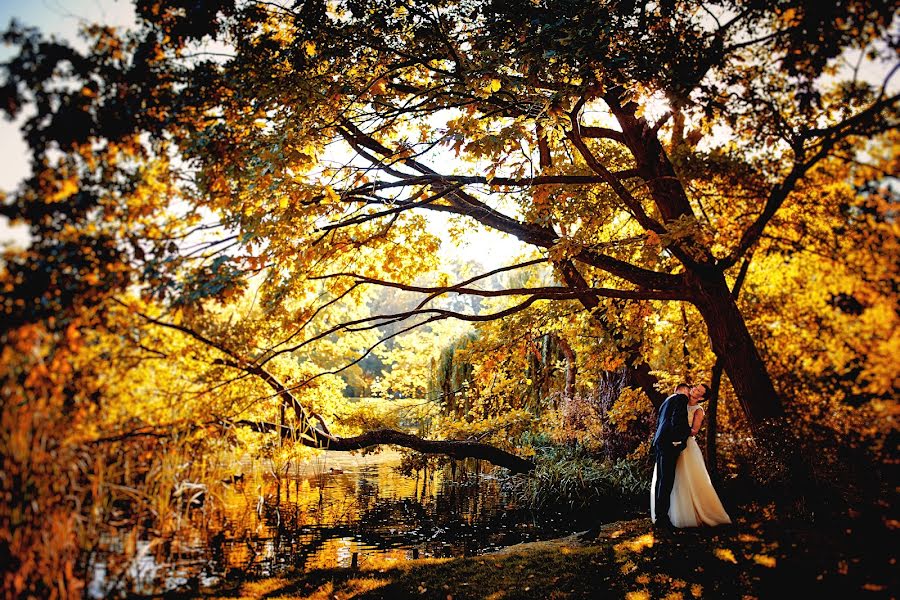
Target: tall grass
pixel 569 479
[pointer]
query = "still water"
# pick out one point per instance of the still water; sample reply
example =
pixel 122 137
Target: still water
pixel 336 510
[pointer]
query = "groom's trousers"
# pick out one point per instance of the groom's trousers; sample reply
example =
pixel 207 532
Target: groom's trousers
pixel 666 459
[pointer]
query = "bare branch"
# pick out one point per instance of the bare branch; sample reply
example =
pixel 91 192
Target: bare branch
pixel 549 292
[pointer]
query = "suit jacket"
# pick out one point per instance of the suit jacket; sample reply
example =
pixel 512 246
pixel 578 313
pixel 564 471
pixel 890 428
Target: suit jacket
pixel 672 422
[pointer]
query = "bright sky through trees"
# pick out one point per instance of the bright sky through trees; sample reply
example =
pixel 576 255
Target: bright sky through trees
pixel 63 18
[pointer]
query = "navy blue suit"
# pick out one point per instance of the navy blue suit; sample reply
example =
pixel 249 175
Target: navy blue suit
pixel 671 426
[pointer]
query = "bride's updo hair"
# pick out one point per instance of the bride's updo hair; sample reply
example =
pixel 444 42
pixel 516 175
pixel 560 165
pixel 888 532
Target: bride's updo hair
pixel 705 392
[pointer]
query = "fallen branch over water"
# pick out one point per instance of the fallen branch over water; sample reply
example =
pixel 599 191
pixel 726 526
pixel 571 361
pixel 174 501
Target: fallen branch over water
pixel 454 448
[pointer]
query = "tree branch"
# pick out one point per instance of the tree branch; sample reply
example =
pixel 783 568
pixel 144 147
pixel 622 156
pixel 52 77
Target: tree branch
pixel 591 131
pixel 314 437
pixel 665 186
pixel 467 205
pixel 632 204
pixel 236 362
pixel 499 181
pixel 848 125
pixel 547 292
pixel 454 448
pixel 831 136
pixel 776 198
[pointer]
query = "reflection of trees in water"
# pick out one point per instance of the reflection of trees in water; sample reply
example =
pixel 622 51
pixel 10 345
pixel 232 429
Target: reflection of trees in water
pixel 448 514
pixel 321 520
pixel 321 516
pixel 367 491
pixel 261 527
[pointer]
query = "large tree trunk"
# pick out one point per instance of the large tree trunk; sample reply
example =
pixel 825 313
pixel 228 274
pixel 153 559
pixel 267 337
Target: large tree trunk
pixel 712 423
pixel 728 333
pixel 732 343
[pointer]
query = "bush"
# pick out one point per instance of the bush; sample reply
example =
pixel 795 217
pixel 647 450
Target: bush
pixel 569 479
pixel 613 419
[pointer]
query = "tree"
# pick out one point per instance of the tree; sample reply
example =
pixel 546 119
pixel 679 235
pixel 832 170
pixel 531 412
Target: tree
pixel 642 151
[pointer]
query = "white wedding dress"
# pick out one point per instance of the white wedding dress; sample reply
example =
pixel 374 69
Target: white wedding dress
pixel 694 501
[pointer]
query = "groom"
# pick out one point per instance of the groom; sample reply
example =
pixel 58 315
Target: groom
pixel 672 431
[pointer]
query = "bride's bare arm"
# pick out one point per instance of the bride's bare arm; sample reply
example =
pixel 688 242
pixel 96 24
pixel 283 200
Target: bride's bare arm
pixel 697 421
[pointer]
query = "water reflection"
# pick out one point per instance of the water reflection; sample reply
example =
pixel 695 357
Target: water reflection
pixel 338 510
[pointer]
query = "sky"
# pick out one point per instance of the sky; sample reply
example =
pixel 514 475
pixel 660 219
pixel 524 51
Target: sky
pixel 56 17
pixel 61 18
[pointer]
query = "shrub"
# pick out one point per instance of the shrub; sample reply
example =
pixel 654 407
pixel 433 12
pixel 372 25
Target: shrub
pixel 568 479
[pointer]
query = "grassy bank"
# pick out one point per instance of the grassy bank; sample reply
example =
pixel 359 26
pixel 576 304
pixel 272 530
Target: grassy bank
pixel 758 557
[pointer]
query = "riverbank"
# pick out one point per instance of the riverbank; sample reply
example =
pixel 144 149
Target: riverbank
pixel 757 557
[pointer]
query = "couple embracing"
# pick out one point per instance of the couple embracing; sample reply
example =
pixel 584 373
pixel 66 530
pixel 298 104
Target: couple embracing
pixel 682 494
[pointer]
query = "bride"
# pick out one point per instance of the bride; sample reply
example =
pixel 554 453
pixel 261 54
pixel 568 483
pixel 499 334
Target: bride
pixel 694 501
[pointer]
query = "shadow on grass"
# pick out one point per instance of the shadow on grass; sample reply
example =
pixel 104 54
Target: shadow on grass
pixel 758 557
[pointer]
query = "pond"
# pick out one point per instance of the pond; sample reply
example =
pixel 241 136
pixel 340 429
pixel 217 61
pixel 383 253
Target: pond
pixel 337 510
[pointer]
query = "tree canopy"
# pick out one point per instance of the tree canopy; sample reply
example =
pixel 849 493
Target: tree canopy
pixel 642 150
